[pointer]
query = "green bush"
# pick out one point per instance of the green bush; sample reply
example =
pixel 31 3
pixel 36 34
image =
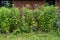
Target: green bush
pixel 26 17
pixel 8 19
pixel 47 17
pixel 24 20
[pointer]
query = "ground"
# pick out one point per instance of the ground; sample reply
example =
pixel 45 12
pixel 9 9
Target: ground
pixel 29 36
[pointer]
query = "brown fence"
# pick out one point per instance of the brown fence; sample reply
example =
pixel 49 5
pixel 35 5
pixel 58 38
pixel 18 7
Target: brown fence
pixel 21 3
pixel 32 3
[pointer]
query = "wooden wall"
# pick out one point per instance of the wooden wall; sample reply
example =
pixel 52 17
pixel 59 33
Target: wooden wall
pixel 57 3
pixel 21 3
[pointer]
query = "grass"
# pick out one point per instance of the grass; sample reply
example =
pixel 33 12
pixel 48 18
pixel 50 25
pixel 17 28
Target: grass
pixel 29 36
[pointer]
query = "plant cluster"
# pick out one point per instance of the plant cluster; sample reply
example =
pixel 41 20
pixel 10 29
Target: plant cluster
pixel 26 20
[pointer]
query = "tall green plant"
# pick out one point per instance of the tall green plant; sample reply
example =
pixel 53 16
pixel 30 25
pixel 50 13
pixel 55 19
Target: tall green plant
pixel 8 18
pixel 47 17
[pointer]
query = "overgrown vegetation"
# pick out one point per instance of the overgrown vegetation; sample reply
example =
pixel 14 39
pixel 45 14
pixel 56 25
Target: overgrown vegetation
pixel 8 19
pixel 44 18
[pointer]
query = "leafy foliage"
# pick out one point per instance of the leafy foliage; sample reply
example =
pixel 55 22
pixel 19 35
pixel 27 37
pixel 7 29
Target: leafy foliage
pixel 8 18
pixel 47 17
pixel 26 20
